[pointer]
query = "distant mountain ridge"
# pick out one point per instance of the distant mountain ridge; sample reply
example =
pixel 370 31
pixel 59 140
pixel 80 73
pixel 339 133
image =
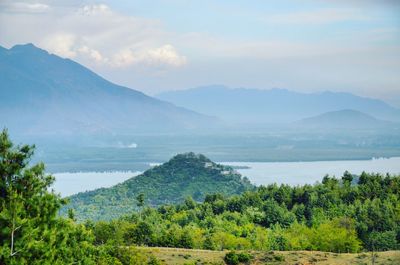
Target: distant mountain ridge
pixel 343 119
pixel 273 105
pixel 42 93
pixel 183 175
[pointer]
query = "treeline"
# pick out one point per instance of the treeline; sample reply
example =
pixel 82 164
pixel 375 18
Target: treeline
pixel 337 215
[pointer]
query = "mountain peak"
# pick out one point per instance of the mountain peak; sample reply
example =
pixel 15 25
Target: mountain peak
pixel 190 166
pixel 28 50
pixel 26 47
pixel 190 157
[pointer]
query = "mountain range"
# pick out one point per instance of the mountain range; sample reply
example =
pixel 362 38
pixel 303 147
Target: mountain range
pixel 274 105
pixel 42 93
pixel 182 176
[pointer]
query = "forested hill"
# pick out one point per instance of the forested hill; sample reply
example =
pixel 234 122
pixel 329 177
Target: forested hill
pixel 184 175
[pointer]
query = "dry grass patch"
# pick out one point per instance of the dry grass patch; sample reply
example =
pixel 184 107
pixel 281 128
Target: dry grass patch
pixel 177 256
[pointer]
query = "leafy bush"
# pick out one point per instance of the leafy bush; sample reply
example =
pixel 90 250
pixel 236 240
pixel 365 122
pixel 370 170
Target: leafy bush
pixel 231 258
pixel 244 257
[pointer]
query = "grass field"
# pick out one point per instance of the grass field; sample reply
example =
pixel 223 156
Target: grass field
pixel 191 256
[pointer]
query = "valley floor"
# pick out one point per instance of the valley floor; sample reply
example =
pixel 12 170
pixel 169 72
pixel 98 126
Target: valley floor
pixel 193 256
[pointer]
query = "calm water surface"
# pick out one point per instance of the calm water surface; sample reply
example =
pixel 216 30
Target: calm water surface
pixel 71 183
pixel 260 173
pixel 295 173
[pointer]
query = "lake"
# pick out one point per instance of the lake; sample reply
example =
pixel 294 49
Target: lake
pixel 259 173
pixel 71 183
pixel 295 173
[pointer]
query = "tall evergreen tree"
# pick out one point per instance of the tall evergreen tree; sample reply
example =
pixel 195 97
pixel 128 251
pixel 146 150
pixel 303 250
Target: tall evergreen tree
pixel 30 230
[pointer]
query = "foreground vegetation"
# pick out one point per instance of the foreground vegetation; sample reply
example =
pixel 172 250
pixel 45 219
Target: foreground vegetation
pixel 338 215
pixel 346 215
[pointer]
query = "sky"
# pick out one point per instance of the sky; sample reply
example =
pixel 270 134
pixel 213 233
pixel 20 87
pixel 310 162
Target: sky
pixel 154 46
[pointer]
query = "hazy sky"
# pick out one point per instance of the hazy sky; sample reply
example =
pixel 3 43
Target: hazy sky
pixel 152 46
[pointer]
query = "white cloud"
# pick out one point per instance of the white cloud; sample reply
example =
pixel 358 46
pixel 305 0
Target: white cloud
pixel 61 44
pixel 93 54
pixel 165 55
pixel 68 45
pixel 96 35
pixel 23 7
pixel 92 10
pixel 123 58
pixel 320 16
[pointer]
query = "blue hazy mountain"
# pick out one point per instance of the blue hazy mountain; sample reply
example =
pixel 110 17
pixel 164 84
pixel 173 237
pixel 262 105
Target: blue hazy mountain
pixel 274 105
pixel 349 119
pixel 42 93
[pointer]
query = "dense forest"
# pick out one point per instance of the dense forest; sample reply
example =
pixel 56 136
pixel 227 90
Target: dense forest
pixel 183 175
pixel 338 215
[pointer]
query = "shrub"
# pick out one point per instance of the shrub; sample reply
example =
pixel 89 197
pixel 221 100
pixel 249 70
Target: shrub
pixel 279 258
pixel 244 257
pixel 231 258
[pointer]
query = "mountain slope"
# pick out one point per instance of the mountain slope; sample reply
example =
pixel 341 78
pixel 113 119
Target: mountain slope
pixel 350 119
pixel 43 93
pixel 182 176
pixel 274 105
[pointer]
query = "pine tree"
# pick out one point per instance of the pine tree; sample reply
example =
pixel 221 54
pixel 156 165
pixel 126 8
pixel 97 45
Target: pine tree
pixel 30 230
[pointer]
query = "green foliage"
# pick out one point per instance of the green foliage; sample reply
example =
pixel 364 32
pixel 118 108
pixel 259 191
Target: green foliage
pixel 244 257
pixel 333 216
pixel 382 241
pixel 31 231
pixel 231 258
pixel 185 175
pixel 140 200
pixel 276 214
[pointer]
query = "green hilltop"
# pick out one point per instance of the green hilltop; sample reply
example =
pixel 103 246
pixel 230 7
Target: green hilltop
pixel 182 176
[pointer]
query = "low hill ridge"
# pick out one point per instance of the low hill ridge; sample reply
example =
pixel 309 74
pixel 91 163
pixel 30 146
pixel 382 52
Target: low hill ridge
pixel 182 176
pixel 346 118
